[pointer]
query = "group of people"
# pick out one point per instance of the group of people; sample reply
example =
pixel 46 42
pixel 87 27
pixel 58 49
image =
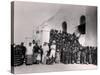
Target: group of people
pixel 31 54
pixel 62 48
pixel 36 54
pixel 71 51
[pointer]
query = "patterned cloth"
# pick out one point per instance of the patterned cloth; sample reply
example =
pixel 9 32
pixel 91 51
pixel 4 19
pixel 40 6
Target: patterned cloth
pixel 29 59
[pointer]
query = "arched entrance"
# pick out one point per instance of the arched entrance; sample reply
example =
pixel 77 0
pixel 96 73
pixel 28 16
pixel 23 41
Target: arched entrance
pixel 64 26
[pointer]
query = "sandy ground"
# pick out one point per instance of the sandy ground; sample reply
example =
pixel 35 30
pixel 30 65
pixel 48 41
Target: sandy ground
pixel 52 68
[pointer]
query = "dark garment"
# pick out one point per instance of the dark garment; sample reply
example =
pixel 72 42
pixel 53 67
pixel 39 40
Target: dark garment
pixel 67 58
pixel 23 49
pixel 23 52
pixel 18 56
pixel 41 52
pixel 72 58
pixel 87 57
pixel 36 48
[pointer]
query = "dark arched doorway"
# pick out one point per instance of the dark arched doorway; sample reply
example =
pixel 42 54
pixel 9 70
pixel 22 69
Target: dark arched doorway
pixel 82 26
pixel 64 26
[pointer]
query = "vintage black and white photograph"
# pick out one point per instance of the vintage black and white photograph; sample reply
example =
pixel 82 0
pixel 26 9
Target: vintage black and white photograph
pixel 51 37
